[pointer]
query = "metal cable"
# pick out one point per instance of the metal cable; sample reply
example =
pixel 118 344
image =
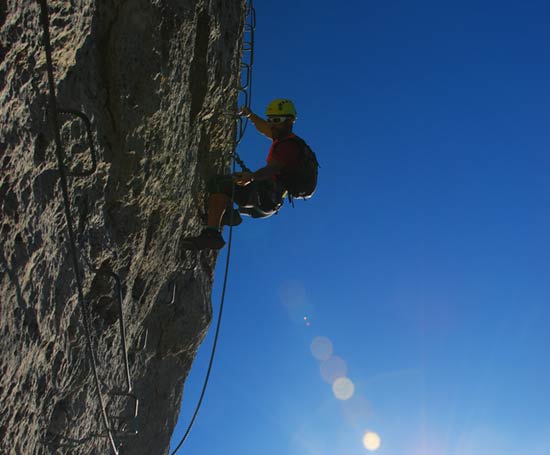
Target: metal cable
pixel 93 155
pixel 65 191
pixel 128 392
pixel 60 154
pixel 118 282
pixel 251 15
pixel 245 89
pixel 216 335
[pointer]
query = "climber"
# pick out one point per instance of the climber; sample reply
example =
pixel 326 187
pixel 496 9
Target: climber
pixel 259 194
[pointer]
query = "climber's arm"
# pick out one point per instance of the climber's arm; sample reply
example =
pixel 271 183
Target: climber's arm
pixel 261 125
pixel 264 173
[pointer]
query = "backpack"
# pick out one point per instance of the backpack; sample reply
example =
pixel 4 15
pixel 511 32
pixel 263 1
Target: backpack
pixel 301 183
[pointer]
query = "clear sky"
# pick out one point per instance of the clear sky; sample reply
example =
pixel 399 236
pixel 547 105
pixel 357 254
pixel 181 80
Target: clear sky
pixel 423 259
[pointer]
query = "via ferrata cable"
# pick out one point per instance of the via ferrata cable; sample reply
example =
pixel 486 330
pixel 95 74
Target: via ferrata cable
pixel 234 157
pixel 218 325
pixel 73 250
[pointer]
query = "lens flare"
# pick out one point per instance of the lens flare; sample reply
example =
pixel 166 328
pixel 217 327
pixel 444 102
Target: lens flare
pixel 293 297
pixel 321 348
pixel 371 441
pixel 343 388
pixel 357 408
pixel 333 368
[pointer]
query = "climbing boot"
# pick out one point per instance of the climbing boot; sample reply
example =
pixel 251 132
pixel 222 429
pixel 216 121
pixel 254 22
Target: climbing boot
pixel 209 239
pixel 231 217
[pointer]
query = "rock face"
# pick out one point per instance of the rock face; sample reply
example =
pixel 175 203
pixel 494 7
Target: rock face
pixel 157 80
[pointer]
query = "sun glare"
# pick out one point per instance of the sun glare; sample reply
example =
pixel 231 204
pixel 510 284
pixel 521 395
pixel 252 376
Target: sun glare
pixel 371 441
pixel 343 388
pixel 321 348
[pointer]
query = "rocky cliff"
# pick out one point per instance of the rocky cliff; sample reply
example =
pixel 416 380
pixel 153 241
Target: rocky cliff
pixel 157 81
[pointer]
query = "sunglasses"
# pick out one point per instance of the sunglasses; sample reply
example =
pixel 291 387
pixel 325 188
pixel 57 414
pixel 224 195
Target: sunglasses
pixel 277 119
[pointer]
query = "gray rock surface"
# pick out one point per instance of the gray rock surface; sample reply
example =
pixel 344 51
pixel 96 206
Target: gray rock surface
pixel 158 81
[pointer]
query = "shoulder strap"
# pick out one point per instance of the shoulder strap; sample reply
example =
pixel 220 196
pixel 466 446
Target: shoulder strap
pixel 293 137
pixel 284 139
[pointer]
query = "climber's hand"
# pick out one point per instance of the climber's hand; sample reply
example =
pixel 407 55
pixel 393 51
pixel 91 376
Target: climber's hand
pixel 243 178
pixel 245 112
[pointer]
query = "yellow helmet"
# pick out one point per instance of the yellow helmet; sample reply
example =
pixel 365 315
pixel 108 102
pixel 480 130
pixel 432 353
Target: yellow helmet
pixel 281 107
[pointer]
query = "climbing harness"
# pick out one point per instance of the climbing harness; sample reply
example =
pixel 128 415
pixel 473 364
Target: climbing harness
pixel 63 173
pixel 245 90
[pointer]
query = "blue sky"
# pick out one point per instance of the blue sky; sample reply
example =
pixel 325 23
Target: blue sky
pixel 423 257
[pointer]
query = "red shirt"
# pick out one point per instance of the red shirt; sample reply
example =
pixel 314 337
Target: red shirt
pixel 286 152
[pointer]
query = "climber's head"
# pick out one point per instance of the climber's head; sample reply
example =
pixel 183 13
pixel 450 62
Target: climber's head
pixel 281 107
pixel 281 115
